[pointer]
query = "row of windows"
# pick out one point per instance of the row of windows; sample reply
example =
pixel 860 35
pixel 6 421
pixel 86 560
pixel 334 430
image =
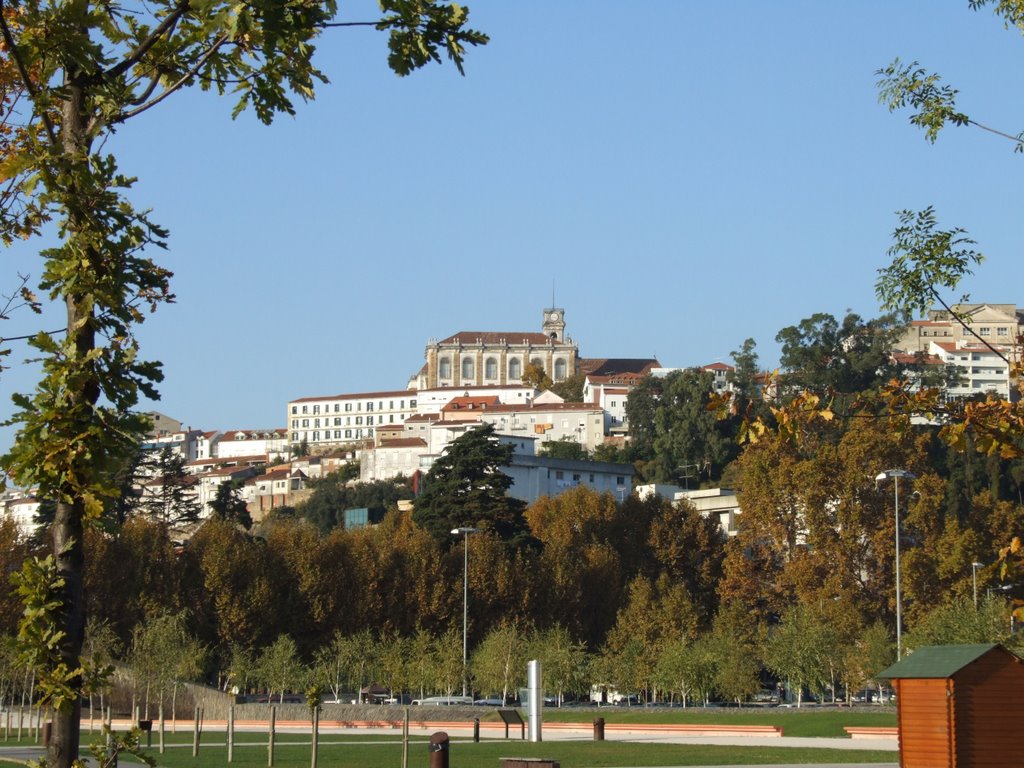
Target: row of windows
pixel 515 368
pixel 986 331
pixel 297 423
pixel 315 409
pixel 338 434
pixel 577 477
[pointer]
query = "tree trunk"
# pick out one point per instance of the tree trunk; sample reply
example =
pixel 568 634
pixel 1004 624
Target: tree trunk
pixel 67 529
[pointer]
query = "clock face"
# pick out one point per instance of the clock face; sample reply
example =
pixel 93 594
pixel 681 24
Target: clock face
pixel 553 316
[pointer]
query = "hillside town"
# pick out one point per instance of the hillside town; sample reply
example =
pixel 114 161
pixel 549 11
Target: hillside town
pixel 506 379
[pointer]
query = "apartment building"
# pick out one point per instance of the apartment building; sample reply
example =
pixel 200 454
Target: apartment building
pixel 324 423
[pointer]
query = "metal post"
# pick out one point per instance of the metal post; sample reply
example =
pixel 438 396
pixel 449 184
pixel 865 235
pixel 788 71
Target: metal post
pixel 536 693
pixel 465 607
pixel 464 531
pixel 899 602
pixel 160 714
pixel 896 474
pixel 231 733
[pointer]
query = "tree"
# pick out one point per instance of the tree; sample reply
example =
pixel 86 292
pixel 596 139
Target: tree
pixel 689 547
pixel 745 371
pixel 735 639
pixel 466 487
pixel 535 376
pixel 565 662
pixel 279 667
pixel 229 505
pixel 86 68
pixel 499 662
pixel 570 389
pixel 164 654
pixel 169 494
pixel 673 433
pixel 797 650
pixel 563 449
pixel 826 356
pixel 688 668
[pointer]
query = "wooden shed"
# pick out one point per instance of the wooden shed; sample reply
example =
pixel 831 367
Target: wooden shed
pixel 959 706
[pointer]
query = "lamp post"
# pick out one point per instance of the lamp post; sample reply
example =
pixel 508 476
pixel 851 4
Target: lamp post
pixel 974 577
pixel 896 474
pixel 465 594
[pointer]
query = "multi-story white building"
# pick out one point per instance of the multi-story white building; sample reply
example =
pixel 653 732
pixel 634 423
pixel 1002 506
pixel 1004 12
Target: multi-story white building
pixel 185 443
pixel 270 443
pixel 328 422
pixel 21 507
pixel 982 370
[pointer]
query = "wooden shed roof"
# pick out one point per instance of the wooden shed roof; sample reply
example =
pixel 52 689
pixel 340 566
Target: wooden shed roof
pixel 937 661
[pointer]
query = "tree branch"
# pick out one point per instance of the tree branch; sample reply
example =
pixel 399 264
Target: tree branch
pixel 177 85
pixel 327 24
pixel 956 316
pixel 1015 139
pixel 135 56
pixel 51 132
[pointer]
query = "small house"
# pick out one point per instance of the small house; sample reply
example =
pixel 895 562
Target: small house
pixel 959 706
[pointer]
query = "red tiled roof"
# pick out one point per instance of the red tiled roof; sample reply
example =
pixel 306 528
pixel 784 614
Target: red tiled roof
pixel 542 407
pixel 611 366
pixel 503 337
pixel 404 442
pixel 717 367
pixel 363 395
pixel 417 417
pixel 909 358
pixel 471 403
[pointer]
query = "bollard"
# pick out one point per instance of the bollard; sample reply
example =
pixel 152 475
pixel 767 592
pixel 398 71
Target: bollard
pixel 598 729
pixel 438 750
pixel 476 729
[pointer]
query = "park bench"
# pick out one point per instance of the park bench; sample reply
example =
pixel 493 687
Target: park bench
pixel 871 732
pixel 528 762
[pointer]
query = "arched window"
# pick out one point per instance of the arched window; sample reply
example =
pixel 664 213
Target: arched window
pixel 467 368
pixel 559 370
pixel 537 363
pixel 515 369
pixel 444 368
pixel 491 368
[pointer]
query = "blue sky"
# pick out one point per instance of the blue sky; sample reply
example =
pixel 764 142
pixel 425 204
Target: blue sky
pixel 686 175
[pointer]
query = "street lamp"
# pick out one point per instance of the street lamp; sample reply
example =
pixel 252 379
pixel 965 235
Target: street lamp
pixel 896 474
pixel 974 577
pixel 465 594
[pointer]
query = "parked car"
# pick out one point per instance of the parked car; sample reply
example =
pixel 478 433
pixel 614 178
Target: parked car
pixel 489 703
pixel 443 701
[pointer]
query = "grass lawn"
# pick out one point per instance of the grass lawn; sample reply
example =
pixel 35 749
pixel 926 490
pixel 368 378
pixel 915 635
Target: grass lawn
pixel 368 751
pixel 826 722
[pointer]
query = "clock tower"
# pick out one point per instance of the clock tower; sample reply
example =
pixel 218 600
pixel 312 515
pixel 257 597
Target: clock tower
pixel 554 324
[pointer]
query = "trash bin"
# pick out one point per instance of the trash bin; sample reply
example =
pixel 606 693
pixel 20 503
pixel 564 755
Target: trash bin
pixel 438 750
pixel 598 729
